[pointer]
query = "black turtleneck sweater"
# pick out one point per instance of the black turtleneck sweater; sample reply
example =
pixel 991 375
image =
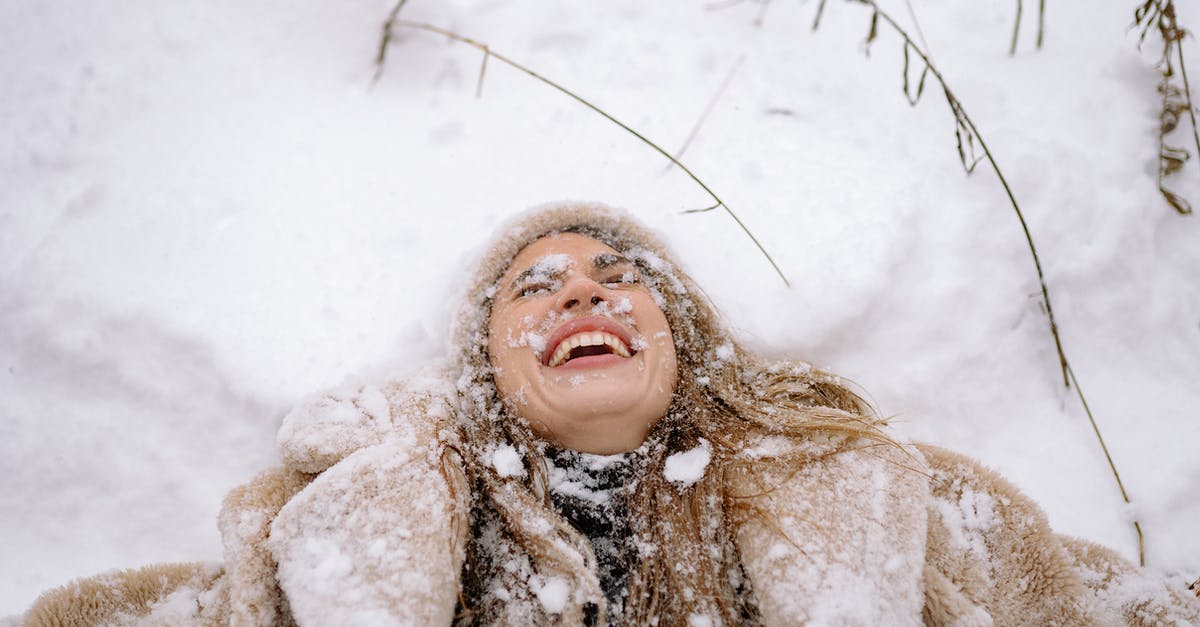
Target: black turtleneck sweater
pixel 592 492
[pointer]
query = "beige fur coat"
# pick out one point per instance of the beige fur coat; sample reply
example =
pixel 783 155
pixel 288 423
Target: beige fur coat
pixel 359 528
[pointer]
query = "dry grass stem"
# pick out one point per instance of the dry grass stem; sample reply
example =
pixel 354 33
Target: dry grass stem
pixel 917 27
pixel 1041 23
pixel 817 19
pixel 482 70
pixel 1159 15
pixel 385 40
pixel 392 23
pixel 971 150
pixel 1012 49
pixel 1112 465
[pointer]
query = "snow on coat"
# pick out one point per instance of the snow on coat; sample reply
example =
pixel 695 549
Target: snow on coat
pixel 363 525
pixel 363 537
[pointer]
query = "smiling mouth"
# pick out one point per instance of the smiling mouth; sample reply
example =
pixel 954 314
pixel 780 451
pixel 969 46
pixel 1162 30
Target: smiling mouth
pixel 588 344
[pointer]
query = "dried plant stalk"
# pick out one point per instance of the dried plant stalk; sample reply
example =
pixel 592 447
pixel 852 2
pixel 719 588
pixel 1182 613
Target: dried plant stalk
pixel 972 149
pixel 1159 15
pixel 1041 32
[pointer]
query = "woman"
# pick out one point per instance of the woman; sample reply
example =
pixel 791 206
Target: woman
pixel 599 450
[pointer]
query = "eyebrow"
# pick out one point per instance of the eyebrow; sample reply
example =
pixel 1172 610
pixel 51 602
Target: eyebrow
pixel 608 260
pixel 599 262
pixel 532 270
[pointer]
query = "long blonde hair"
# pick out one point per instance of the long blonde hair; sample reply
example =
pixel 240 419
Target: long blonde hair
pixel 727 399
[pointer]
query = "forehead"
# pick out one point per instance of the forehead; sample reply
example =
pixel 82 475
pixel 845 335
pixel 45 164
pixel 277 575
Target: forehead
pixel 580 248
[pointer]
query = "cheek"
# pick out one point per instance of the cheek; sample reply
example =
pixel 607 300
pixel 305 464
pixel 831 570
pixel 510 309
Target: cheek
pixel 516 331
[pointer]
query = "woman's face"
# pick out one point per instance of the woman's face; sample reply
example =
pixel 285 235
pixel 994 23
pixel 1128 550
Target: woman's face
pixel 580 348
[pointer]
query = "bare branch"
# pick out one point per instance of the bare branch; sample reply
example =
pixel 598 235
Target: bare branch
pixel 386 40
pixel 1012 49
pixel 1041 22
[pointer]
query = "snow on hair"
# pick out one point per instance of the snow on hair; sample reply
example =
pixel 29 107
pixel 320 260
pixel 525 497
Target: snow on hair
pixel 727 399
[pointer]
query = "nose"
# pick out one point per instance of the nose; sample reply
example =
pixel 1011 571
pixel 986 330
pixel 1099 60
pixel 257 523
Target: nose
pixel 578 290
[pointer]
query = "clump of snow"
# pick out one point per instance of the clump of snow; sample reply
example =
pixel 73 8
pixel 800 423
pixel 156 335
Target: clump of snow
pixel 724 351
pixel 688 467
pixel 373 401
pixel 536 341
pixel 699 620
pixel 507 461
pixel 547 271
pixel 552 594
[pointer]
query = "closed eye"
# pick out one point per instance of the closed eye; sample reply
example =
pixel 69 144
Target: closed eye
pixel 534 289
pixel 625 278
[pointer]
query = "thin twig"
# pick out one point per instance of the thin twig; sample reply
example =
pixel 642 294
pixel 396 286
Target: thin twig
pixel 1041 22
pixel 482 70
pixel 518 66
pixel 1121 486
pixel 917 27
pixel 1160 15
pixel 386 40
pixel 712 103
pixel 817 18
pixel 702 210
pixel 1012 50
pixel 1187 90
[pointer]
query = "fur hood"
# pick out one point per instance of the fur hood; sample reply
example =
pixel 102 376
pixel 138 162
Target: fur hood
pixel 367 521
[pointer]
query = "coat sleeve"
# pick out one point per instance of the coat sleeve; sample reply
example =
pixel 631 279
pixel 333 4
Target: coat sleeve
pixel 325 429
pixel 838 541
pixel 376 539
pixel 243 591
pixel 993 559
pixel 253 594
pixel 1138 597
pixel 159 594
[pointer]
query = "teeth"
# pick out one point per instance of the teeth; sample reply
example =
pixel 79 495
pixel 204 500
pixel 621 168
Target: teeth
pixel 597 338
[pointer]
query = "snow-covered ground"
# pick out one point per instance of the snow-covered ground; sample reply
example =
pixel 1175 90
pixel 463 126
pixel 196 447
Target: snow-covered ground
pixel 207 212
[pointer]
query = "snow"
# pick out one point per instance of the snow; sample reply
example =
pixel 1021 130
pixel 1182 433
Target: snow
pixel 208 212
pixel 688 467
pixel 969 520
pixel 581 480
pixel 507 462
pixel 553 594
